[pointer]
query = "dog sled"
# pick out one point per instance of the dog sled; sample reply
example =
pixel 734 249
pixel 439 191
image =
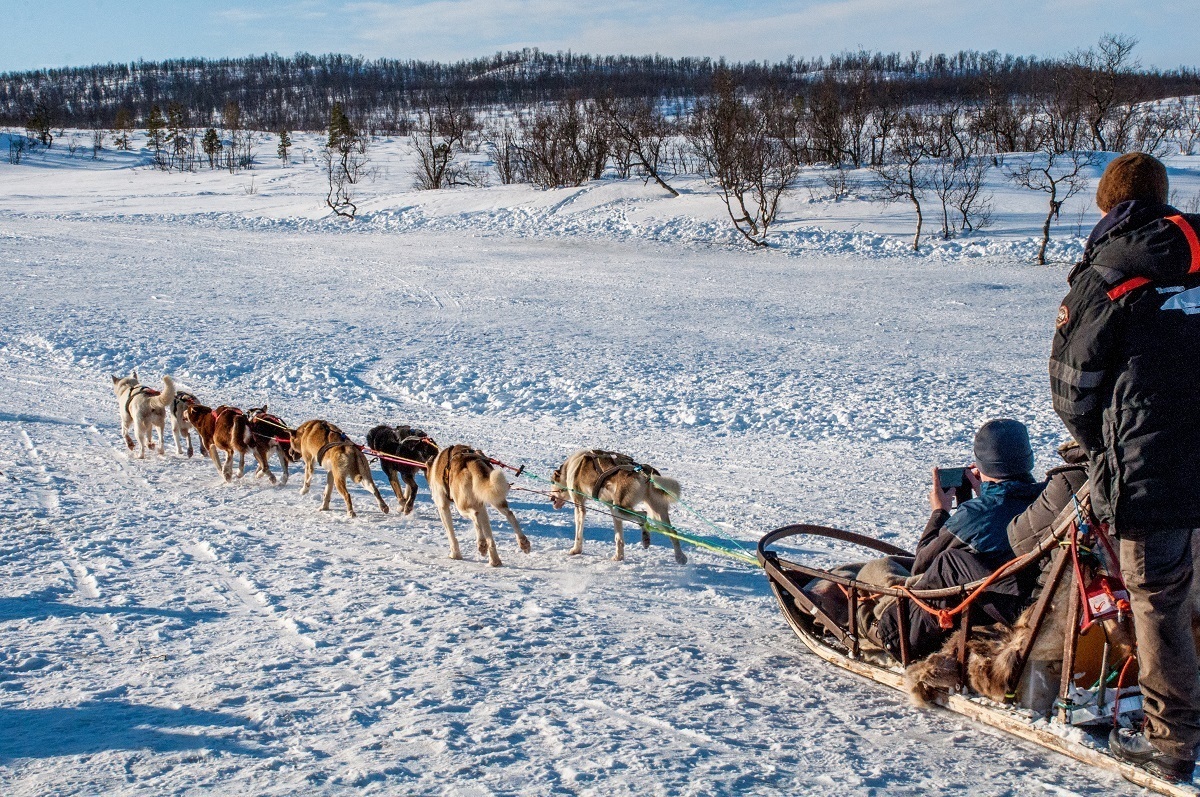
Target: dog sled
pixel 1066 701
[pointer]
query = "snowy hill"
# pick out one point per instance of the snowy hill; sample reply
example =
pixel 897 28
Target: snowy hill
pixel 163 633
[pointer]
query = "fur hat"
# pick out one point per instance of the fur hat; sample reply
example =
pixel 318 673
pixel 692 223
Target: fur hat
pixel 1002 449
pixel 1134 175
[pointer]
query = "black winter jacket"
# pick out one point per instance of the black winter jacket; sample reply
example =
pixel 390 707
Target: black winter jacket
pixel 1125 367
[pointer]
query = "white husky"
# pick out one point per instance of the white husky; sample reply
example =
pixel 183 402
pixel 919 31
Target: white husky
pixel 143 409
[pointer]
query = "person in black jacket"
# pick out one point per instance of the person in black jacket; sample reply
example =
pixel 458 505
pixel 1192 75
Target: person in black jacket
pixel 1125 377
pixel 972 543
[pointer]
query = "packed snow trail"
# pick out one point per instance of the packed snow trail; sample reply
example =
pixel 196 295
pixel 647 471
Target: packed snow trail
pixel 162 632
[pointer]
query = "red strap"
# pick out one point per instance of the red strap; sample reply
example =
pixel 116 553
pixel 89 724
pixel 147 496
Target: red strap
pixel 1193 241
pixel 1122 288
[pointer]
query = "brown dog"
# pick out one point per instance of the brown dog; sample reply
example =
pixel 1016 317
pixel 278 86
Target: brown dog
pixel 223 430
pixel 466 477
pixel 319 442
pixel 624 484
pixel 270 434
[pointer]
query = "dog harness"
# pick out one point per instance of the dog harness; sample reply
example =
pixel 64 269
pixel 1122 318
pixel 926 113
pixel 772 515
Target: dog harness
pixel 182 398
pixel 621 462
pixel 139 390
pixel 323 450
pixel 464 453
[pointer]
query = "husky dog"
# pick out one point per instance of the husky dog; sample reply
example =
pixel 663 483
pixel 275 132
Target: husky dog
pixel 405 442
pixel 143 409
pixel 270 434
pixel 466 477
pixel 224 429
pixel 319 442
pixel 180 425
pixel 618 480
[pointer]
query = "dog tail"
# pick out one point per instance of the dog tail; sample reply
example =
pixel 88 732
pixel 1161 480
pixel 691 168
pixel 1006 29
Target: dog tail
pixel 164 399
pixel 670 487
pixel 497 487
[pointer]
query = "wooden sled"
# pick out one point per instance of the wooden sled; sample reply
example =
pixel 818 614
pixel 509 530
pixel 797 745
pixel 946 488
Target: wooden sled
pixel 842 646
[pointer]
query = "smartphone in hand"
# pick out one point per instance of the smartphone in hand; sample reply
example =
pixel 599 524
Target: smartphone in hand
pixel 956 479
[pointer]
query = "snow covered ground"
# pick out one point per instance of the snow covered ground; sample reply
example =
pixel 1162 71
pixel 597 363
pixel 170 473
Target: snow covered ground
pixel 162 633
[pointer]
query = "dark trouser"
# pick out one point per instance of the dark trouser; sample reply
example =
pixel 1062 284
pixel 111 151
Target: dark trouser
pixel 1000 603
pixel 1158 572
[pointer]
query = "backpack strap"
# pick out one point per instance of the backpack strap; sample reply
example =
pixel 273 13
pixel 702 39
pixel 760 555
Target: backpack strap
pixel 1189 233
pixel 1193 241
pixel 1127 286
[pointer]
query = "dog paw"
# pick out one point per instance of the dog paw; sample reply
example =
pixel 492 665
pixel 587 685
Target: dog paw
pixel 574 552
pixel 483 548
pixel 618 557
pixel 384 508
pixel 456 555
pixel 681 558
pixel 495 562
pixel 645 539
pixel 524 543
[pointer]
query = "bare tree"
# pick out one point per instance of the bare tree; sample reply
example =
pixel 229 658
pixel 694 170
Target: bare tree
pixel 505 152
pixel 1102 74
pixel 564 144
pixel 18 145
pixel 642 131
pixel 752 169
pixel 968 198
pixel 1060 175
pixel 1189 124
pixel 439 135
pixel 904 175
pixel 1156 123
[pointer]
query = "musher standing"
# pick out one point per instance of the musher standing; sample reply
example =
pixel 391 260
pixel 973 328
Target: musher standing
pixel 1125 374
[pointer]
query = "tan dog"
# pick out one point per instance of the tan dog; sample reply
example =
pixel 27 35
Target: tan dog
pixel 466 477
pixel 319 442
pixel 617 480
pixel 143 409
pixel 223 430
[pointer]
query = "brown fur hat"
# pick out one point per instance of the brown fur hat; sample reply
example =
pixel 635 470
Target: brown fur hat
pixel 1134 175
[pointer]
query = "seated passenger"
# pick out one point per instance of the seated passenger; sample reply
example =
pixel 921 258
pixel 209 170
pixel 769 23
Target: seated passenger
pixel 1010 517
pixel 947 560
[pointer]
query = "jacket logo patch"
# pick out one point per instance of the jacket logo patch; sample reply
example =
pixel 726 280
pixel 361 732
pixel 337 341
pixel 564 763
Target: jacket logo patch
pixel 1188 302
pixel 1064 315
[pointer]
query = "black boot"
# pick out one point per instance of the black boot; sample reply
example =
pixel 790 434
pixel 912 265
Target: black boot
pixel 1135 748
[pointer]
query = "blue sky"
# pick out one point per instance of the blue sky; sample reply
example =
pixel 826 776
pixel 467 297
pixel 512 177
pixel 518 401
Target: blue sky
pixel 37 33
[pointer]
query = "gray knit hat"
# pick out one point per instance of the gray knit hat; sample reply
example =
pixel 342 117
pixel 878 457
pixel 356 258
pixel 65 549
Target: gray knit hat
pixel 1002 449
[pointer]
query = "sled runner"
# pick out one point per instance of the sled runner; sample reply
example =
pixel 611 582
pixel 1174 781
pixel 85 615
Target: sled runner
pixel 1065 702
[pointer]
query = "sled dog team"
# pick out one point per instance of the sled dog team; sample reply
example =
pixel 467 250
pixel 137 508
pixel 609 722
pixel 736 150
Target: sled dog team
pixel 457 474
